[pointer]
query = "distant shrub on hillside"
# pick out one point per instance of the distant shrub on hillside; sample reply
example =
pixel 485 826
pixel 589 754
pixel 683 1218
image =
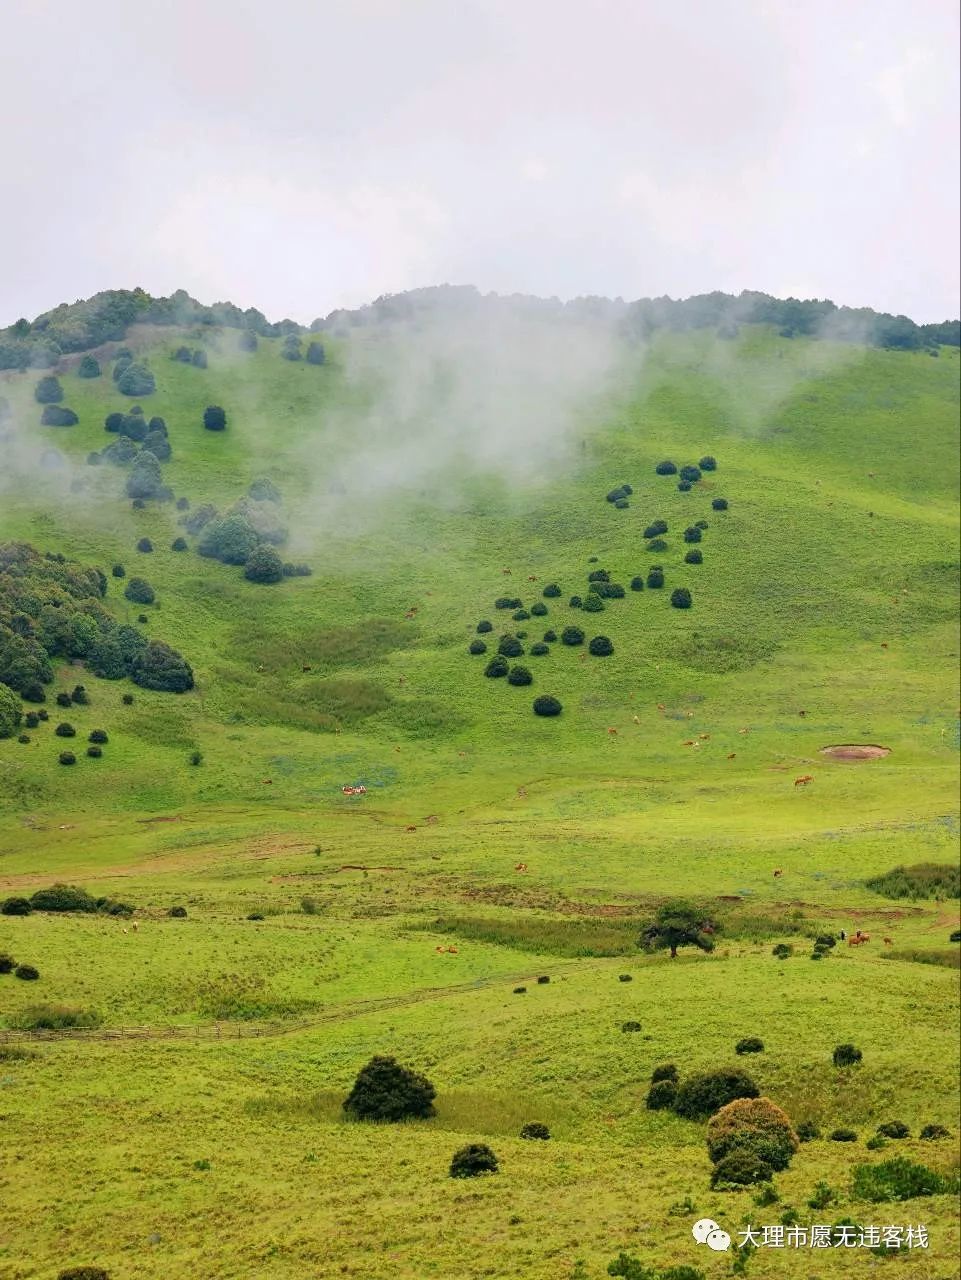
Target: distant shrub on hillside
pixel 575 602
pixel 750 1044
pixel 900 1179
pixel 177 913
pixel 756 1124
pixel 681 598
pixel 179 544
pixel 26 972
pixel 291 348
pixel 385 1090
pixel 690 474
pixel 247 341
pixel 702 1095
pixel 539 649
pixel 199 518
pixel 139 591
pixel 65 730
pixel 48 390
pixel 521 615
pixel 846 1055
pixel 85 1272
pixel 550 636
pixel 684 486
pixel 657 544
pixel 477 646
pixel 547 705
pixel 63 897
pixel 694 557
pixel 600 647
pixel 609 590
pixel 231 539
pixel 593 603
pixel 97 735
pixel 496 668
pixel 922 880
pixel 661 1095
pixel 136 380
pixel 15 906
pixel 637 583
pixel 95 752
pixel 264 565
pixel 472 1161
pixel 113 422
pixel 158 444
pixel 742 1168
pixel 782 950
pixel 655 577
pixel 510 647
pixel 552 590
pixel 692 534
pixel 88 367
pixel 707 463
pixel 666 468
pixel 507 602
pixel 572 636
pixel 183 354
pixel 538 610
pixel 215 417
pixel 199 359
pixel 158 666
pixel 519 676
pixel 145 545
pixel 144 479
pixel 535 1131
pixel 599 575
pixel 56 415
pixel 315 353
pixel 655 529
pixel 719 504
pixel 666 1071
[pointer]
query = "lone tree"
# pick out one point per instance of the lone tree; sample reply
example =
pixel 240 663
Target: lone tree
pixel 88 368
pixel 215 418
pixel 136 380
pixel 678 924
pixel 384 1090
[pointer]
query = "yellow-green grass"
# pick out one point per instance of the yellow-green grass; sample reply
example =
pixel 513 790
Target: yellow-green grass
pixel 799 590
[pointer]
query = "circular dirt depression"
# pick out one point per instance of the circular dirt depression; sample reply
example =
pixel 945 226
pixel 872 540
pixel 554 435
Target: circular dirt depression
pixel 856 751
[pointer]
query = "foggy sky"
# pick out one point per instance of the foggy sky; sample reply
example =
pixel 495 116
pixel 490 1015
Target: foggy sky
pixel 317 153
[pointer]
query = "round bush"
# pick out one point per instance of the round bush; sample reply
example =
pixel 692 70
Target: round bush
pixel 656 529
pixel 707 463
pixel 551 591
pixel 15 907
pixel 700 524
pixel 507 602
pixel 521 635
pixel 550 637
pixel 932 1132
pixel 637 583
pixel 95 752
pixel 657 544
pixel 65 730
pixel 750 1044
pixel 48 390
pixel 58 415
pixel 701 1095
pixel 846 1055
pixel 264 565
pixel 694 557
pixel 7 963
pixel 538 610
pixel 599 575
pixel 630 1026
pixel 385 1090
pixel 145 545
pixel 782 950
pixel 520 991
pixel 472 1161
pixel 538 650
pixel 510 647
pixel 624 977
pixel 520 676
pixel 661 1095
pixel 23 737
pixel 681 598
pixel 825 940
pixel 692 534
pixel 610 591
pixel 179 544
pixel 177 913
pixel 842 1135
pixel 572 636
pixel 119 571
pixel 719 504
pixel 535 1130
pixel 477 646
pixel 543 980
pixel 33 692
pixel 690 474
pixel 496 668
pixel 684 486
pixel 894 1129
pixel 575 602
pixel 83 1273
pixel 600 647
pixel 136 380
pixel 742 1168
pixel 63 700
pixel 127 699
pixel 876 1143
pixel 808 1131
pixel 215 418
pixel 139 591
pixel 67 757
pixel 521 615
pixel 621 504
pixel 28 972
pixel 546 705
pixel 79 695
pixel 593 603
pixel 755 1123
pixel 484 626
pixel 666 468
pixel 655 578
pixel 666 1071
pixel 955 936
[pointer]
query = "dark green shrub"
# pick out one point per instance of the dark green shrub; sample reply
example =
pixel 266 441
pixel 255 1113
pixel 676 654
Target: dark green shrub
pixel 701 1095
pixel 666 1071
pixel 315 353
pixel 31 720
pixel 657 544
pixel 134 424
pixel 63 897
pixel 616 495
pixel 955 936
pixel 684 486
pixel 599 575
pixel 484 626
pixel 756 1124
pixel 510 647
pixel 7 963
pixel 624 977
pixel 546 705
pixel 535 1130
pixel 538 650
pixel 818 953
pixel 622 504
pixel 655 578
pixel 119 571
pixel 690 474
pixel 842 1135
pixel 472 1161
pixel 782 950
pixel 701 524
pixel 923 880
pixel 145 545
pixel 825 940
pixel 552 591
pixel 83 1273
pixel 656 529
pixel 195 758
pixel 98 735
pixel 521 615
pixel 808 1131
pixel 15 907
pixel 477 646
pixel 550 637
pixel 291 349
pixel 661 1096
pixel 177 913
pixel 179 544
pixel 666 469
pixel 741 1168
pixel 63 700
pixel 600 647
pixel 899 1179
pixel 692 534
pixel 247 341
pixel 894 1129
pixel 637 583
pixel 496 668
pixel 121 453
pixel 215 418
pixel 593 603
pixel 538 610
pixel 385 1090
pixel 88 368
pixel 846 1055
pixel 719 504
pixel 199 359
pixel 543 980
pixel 139 591
pixel 157 666
pixel 264 565
pixel 681 598
pixel 610 591
pixel 520 991
pixel 630 1025
pixel 707 463
pixel 932 1132
pixel 79 696
pixel 694 557
pixel 28 972
pixel 750 1044
pixel 95 752
pixel 33 692
pixel 508 602
pixel 48 390
pixel 57 415
pixel 136 380
pixel 65 730
pixel 572 636
pixel 158 445
pixel 183 354
pixel 519 676
pixel 127 699
pixel 575 602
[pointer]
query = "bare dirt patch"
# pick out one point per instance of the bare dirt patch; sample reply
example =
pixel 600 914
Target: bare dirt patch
pixel 856 751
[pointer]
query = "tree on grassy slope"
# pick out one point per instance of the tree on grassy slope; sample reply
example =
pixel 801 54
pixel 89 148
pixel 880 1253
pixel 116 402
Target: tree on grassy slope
pixel 678 924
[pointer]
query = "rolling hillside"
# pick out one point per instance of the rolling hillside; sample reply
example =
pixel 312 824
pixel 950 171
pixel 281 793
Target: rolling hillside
pixel 490 845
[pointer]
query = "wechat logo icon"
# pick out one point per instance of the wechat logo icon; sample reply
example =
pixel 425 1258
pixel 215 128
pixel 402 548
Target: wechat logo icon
pixel 706 1231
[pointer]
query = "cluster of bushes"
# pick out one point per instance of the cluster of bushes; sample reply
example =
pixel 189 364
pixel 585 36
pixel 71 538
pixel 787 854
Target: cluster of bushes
pixel 922 880
pixel 64 897
pixel 749 1140
pixel 49 393
pixel 197 357
pixel 619 497
pixel 26 972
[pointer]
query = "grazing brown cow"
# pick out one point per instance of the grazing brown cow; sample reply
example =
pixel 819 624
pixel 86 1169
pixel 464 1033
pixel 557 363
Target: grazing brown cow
pixel 704 736
pixel 732 755
pixel 613 731
pixel 888 942
pixel 532 578
pixel 410 828
pixel 884 644
pixel 452 951
pixel 268 782
pixel 802 713
pixel 661 706
pixel 689 743
pixel 505 570
pixel 521 866
pixel 778 872
pixel 803 781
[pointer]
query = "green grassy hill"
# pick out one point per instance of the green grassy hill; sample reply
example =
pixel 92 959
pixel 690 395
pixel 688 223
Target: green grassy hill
pixel 824 612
